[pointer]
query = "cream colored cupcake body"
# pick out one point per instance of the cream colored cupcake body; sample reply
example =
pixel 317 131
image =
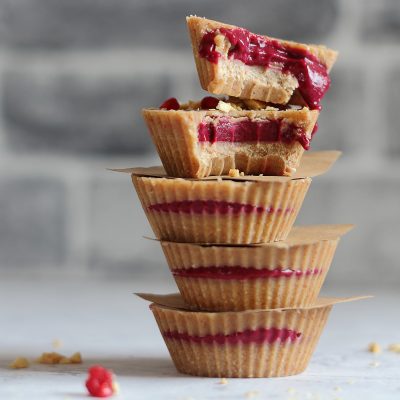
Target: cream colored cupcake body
pixel 246 344
pixel 220 211
pixel 276 275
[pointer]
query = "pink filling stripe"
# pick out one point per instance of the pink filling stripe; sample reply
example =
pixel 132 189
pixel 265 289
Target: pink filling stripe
pixel 245 130
pixel 213 207
pixel 241 273
pixel 261 335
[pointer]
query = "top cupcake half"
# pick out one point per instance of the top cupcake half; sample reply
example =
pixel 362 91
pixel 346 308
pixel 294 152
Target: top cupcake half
pixel 264 115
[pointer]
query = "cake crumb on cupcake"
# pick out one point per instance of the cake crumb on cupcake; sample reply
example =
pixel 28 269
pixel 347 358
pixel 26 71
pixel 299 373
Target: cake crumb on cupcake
pixel 225 107
pixel 223 381
pixel 234 173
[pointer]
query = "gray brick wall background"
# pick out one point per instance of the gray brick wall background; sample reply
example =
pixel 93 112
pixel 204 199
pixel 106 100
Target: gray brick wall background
pixel 74 75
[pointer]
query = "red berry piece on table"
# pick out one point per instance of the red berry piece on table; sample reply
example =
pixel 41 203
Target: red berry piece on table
pixel 100 382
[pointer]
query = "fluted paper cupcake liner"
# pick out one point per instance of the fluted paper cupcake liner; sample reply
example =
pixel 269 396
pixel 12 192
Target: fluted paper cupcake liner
pixel 196 354
pixel 220 211
pixel 293 271
pixel 176 138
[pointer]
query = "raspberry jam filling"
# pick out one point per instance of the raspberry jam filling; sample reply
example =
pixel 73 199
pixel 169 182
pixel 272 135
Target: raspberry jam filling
pixel 241 273
pixel 259 336
pixel 213 207
pixel 252 49
pixel 245 130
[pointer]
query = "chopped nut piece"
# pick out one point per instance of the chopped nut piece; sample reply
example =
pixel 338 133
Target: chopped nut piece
pixel 223 381
pixel 50 358
pixel 19 362
pixel 291 391
pixel 374 348
pixel 76 358
pixel 233 173
pixel 338 389
pixel 219 40
pixel 224 107
pixel 56 358
pixel 395 347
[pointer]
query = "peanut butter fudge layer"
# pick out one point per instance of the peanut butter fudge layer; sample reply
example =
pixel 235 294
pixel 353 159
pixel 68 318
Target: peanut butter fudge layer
pixel 283 274
pixel 220 211
pixel 241 344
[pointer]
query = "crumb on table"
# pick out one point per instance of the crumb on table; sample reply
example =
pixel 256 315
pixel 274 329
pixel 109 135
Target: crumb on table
pixel 57 358
pixel 19 362
pixel 374 348
pixel 395 347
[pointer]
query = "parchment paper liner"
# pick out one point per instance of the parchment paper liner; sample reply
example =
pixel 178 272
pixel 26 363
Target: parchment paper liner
pixel 313 163
pixel 307 248
pixel 175 135
pixel 240 360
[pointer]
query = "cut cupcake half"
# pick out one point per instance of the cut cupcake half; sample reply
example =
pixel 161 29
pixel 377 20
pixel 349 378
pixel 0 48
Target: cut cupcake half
pixel 233 61
pixel 283 274
pixel 249 136
pixel 237 210
pixel 246 344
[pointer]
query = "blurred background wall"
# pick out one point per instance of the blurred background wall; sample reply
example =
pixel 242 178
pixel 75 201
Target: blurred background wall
pixel 74 75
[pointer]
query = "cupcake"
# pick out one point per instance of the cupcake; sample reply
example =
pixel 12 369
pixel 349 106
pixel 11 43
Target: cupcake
pixel 235 278
pixel 212 136
pixel 240 210
pixel 244 344
pixel 233 61
pixel 220 211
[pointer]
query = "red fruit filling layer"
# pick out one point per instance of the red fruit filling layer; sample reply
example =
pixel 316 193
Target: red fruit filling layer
pixel 259 336
pixel 252 49
pixel 241 273
pixel 245 130
pixel 213 207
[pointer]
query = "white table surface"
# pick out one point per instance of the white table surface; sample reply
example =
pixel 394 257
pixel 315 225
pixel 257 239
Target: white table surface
pixel 108 325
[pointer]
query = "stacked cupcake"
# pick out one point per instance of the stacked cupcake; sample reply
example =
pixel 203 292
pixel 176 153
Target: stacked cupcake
pixel 224 203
